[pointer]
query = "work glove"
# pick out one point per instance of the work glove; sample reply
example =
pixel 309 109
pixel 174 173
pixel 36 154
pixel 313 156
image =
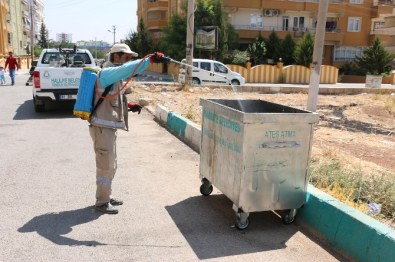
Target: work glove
pixel 158 57
pixel 134 107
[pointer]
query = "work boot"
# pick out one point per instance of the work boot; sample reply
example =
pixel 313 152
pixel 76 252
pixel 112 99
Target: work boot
pixel 116 201
pixel 107 208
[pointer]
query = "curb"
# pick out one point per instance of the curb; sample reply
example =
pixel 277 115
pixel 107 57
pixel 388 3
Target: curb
pixel 344 228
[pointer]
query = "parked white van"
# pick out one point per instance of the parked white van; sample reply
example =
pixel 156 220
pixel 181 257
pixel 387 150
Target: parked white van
pixel 207 71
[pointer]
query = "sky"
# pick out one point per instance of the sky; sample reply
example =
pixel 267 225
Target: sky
pixel 90 19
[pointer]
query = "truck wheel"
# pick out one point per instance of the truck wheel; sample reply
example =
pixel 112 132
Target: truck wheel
pixel 38 107
pixel 235 82
pixel 195 81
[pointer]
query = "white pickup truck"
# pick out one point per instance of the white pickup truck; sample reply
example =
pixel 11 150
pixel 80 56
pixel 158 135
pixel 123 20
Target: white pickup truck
pixel 56 77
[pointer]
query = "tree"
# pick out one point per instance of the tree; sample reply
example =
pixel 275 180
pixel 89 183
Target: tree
pixel 273 46
pixel 173 42
pixel 43 41
pixel 304 50
pixel 140 41
pixel 233 38
pixel 236 57
pixel 375 58
pixel 257 51
pixel 207 13
pixel 287 50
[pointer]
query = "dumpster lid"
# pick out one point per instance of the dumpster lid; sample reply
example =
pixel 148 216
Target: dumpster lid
pixel 256 110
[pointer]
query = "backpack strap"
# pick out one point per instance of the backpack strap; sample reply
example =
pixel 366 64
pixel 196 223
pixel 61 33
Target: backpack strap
pixel 106 91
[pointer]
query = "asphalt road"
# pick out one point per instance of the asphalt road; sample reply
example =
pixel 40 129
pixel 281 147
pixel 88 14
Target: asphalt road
pixel 47 178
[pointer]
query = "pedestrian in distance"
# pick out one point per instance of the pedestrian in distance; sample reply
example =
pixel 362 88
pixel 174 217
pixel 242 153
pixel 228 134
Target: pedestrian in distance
pixel 112 114
pixel 2 78
pixel 13 66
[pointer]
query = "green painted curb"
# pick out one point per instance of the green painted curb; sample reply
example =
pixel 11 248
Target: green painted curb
pixel 176 124
pixel 347 229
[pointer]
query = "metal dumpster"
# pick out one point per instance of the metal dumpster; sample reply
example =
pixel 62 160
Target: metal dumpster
pixel 256 153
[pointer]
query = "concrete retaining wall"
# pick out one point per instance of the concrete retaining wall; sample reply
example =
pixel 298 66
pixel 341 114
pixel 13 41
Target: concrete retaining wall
pixel 346 229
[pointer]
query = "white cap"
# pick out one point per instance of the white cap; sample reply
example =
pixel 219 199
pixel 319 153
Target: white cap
pixel 122 48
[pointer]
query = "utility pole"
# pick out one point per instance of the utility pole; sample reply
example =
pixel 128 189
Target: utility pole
pixel 319 40
pixel 31 31
pixel 189 47
pixel 114 28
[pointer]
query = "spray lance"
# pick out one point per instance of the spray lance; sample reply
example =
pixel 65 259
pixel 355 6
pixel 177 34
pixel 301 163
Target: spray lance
pixel 156 57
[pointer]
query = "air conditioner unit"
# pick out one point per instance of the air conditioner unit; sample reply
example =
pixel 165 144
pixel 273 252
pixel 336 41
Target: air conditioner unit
pixel 268 12
pixel 275 12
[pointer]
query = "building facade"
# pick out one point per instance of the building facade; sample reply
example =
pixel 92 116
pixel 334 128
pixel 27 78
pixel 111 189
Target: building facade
pixel 63 37
pixel 5 27
pixel 351 24
pixel 20 23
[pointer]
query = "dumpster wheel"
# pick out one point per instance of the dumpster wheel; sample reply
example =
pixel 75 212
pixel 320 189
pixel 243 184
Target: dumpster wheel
pixel 242 220
pixel 206 188
pixel 289 216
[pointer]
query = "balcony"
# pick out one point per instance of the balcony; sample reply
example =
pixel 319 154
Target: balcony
pixel 157 5
pixel 383 2
pixel 26 28
pixel 157 24
pixel 332 34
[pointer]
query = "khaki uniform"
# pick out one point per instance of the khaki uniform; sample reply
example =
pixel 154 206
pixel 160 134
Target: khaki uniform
pixel 108 117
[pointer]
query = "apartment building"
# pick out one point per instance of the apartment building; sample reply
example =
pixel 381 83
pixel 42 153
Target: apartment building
pixel 351 24
pixel 63 37
pixel 5 27
pixel 17 20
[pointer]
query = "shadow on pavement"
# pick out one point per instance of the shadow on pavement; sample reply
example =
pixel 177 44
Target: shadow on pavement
pixel 53 226
pixel 207 223
pixel 55 111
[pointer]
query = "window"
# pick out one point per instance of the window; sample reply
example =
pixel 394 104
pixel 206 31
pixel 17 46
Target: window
pixel 347 53
pixel 298 23
pixel 220 68
pixel 378 25
pixel 48 57
pixel 356 1
pixel 256 20
pixel 285 23
pixel 354 24
pixel 205 66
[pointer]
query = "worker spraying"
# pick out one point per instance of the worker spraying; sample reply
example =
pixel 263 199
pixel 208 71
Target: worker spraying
pixel 108 113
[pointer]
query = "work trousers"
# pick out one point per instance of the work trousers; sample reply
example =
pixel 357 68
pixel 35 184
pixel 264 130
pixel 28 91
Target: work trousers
pixel 104 144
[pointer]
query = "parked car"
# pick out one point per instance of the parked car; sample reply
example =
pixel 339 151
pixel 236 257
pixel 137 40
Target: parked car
pixel 205 71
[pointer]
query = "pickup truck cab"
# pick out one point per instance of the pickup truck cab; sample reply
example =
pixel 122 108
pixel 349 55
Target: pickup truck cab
pixel 56 77
pixel 205 71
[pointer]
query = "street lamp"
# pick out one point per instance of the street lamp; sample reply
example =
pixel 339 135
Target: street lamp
pixel 113 31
